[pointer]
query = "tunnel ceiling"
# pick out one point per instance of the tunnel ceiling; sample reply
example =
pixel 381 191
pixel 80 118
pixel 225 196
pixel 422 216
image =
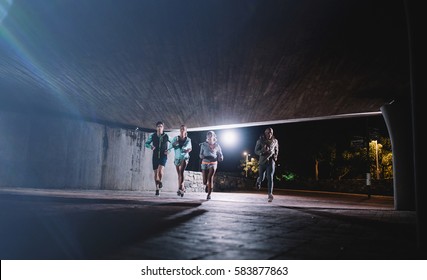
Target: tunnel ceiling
pixel 201 62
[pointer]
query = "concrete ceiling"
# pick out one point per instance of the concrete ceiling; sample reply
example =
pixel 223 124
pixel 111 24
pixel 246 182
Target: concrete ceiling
pixel 202 62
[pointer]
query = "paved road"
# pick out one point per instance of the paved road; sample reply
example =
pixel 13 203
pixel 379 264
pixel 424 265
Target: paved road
pixel 300 225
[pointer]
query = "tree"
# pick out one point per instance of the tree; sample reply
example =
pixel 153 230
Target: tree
pixel 326 154
pixel 251 167
pixel 380 158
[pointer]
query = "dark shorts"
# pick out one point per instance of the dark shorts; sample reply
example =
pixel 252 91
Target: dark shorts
pixel 159 161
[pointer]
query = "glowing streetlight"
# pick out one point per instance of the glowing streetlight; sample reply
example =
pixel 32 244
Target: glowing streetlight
pixel 229 138
pixel 376 159
pixel 246 162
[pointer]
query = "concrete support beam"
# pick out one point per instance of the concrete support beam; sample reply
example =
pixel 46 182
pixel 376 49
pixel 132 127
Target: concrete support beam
pixel 397 116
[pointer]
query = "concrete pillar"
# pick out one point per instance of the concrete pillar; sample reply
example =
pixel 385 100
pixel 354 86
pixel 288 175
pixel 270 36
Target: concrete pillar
pixel 397 116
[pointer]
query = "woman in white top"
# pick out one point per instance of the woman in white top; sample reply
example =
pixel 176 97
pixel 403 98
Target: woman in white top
pixel 210 154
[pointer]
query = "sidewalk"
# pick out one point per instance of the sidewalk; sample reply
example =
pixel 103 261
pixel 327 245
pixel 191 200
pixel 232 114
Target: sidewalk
pixel 301 225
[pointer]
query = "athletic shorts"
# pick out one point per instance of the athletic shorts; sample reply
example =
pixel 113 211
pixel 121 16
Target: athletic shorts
pixel 207 165
pixel 159 161
pixel 178 161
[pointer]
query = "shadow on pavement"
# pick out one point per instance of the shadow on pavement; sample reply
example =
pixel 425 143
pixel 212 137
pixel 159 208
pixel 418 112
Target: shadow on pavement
pixel 40 227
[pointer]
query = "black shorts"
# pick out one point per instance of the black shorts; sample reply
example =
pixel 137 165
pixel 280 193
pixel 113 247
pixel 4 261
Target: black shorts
pixel 159 161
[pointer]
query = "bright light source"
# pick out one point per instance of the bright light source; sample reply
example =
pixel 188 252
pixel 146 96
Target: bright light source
pixel 228 138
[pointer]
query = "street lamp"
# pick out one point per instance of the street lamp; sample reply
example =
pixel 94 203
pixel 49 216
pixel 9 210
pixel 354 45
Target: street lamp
pixel 246 162
pixel 376 159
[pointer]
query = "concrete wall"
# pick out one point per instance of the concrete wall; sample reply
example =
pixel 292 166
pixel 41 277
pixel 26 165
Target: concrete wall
pixel 47 152
pixel 193 182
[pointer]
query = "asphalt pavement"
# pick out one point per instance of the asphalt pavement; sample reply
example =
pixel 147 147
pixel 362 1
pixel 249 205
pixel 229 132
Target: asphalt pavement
pixel 129 225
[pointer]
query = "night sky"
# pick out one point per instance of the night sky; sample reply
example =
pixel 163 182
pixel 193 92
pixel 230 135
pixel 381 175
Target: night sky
pixel 293 139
